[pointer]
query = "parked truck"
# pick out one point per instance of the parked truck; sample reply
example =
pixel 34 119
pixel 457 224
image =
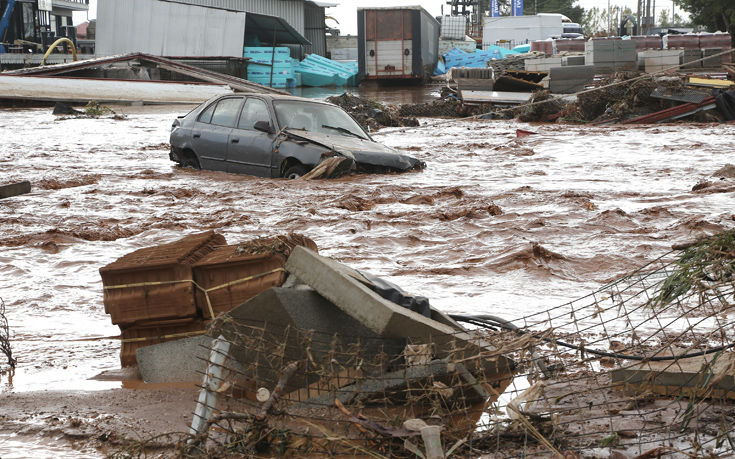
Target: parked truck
pixel 396 43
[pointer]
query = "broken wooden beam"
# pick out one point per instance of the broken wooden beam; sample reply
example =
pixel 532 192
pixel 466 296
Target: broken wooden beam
pixel 14 189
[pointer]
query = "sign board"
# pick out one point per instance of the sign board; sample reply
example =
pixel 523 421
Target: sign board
pixel 45 5
pixel 517 7
pixel 494 10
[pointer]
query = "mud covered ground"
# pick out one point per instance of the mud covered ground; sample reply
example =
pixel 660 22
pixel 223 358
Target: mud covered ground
pixel 493 225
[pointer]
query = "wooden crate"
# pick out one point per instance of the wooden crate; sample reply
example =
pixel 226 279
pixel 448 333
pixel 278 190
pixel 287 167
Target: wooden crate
pixel 148 333
pixel 226 267
pixel 243 271
pixel 157 279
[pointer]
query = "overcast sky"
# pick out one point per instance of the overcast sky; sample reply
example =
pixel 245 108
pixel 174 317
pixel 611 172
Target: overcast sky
pixel 346 12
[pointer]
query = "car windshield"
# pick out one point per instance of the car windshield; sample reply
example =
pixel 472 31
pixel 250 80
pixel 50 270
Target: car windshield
pixel 315 117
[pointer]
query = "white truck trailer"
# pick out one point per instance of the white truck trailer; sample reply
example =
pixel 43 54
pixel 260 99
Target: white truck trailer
pixel 511 31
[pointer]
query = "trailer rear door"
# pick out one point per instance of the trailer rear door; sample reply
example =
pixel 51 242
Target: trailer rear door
pixel 388 43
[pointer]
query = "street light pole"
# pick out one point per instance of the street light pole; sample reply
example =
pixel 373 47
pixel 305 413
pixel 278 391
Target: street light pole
pixel 608 18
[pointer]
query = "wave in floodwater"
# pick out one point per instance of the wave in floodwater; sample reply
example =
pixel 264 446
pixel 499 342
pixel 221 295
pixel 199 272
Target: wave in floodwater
pixel 494 225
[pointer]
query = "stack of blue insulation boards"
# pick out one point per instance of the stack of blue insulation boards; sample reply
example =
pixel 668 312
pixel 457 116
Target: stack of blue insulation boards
pixel 264 60
pixel 315 70
pixel 318 71
pixel 457 58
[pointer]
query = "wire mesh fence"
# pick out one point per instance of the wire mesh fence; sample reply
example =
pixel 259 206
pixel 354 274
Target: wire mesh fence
pixel 642 366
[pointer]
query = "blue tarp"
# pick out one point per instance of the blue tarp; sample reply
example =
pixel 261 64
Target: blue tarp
pixel 457 58
pixel 523 48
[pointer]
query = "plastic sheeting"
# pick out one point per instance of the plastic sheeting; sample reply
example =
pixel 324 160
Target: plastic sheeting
pixel 725 102
pixel 478 59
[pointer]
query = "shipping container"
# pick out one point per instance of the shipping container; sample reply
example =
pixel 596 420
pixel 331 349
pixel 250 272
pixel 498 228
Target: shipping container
pixel 397 43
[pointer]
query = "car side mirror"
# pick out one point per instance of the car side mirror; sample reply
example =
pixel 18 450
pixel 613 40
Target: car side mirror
pixel 263 126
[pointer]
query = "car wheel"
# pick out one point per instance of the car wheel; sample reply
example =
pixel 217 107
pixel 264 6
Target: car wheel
pixel 295 172
pixel 190 161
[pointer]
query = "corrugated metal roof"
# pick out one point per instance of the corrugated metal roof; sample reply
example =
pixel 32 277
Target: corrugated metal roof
pixel 290 10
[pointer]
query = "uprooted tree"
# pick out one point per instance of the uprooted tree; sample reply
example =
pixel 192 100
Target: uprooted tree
pixel 5 336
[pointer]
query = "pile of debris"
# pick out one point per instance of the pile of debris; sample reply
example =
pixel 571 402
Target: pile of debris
pixel 166 292
pixel 447 108
pixel 372 115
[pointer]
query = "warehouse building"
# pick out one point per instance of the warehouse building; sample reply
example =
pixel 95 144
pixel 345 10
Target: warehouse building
pixel 209 27
pixel 31 24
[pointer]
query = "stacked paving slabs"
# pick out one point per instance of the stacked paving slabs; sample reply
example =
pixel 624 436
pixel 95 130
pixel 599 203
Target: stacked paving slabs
pixel 542 64
pixel 611 55
pixel 572 60
pixel 711 62
pixel 149 293
pixel 568 80
pixel 690 59
pixel 658 60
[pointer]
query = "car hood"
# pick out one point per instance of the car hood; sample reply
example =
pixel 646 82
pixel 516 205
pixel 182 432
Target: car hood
pixel 362 150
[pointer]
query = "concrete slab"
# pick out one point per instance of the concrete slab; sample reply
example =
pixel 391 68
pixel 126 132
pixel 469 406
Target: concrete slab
pixel 273 328
pixel 711 375
pixel 14 189
pixel 338 283
pixel 183 360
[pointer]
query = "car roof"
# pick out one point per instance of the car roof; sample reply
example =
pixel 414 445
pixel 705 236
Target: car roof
pixel 283 97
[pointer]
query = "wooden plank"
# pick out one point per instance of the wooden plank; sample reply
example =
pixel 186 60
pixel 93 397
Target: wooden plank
pixel 14 189
pixel 711 375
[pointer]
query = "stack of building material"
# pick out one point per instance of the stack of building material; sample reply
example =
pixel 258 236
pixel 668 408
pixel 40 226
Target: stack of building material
pixel 690 59
pixel 149 293
pixel 575 45
pixel 542 64
pixel 468 45
pixel 711 62
pixel 453 27
pixel 170 291
pixel 647 42
pixel 570 79
pixel 717 40
pixel 267 60
pixel 543 46
pixel 572 60
pixel 686 41
pixel 480 58
pixel 658 60
pixel 319 71
pixel 610 55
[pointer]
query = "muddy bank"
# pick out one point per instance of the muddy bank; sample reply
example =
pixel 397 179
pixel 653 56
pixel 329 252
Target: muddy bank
pixel 91 424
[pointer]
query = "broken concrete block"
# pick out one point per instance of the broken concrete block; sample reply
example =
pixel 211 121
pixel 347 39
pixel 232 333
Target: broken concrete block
pixel 273 328
pixel 14 189
pixel 711 375
pixel 347 289
pixel 183 360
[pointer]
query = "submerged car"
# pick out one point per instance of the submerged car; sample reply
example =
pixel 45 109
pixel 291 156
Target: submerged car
pixel 277 136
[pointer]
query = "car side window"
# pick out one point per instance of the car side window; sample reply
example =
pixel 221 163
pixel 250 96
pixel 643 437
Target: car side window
pixel 226 112
pixel 253 111
pixel 206 115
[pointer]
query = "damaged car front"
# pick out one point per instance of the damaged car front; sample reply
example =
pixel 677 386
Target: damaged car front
pixel 279 136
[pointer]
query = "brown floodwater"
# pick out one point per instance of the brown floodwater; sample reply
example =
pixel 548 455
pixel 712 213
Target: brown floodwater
pixel 579 206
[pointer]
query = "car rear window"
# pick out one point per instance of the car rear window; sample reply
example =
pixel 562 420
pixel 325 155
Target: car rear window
pixel 226 112
pixel 206 115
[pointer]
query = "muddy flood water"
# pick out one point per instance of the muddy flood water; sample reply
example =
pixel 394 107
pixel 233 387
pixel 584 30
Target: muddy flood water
pixel 580 206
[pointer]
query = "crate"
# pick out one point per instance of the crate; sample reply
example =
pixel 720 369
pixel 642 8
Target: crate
pixel 711 62
pixel 225 266
pixel 244 271
pixel 453 27
pixel 149 333
pixel 157 280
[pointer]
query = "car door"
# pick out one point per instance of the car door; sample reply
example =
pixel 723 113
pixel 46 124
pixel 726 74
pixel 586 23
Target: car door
pixel 211 133
pixel 250 151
